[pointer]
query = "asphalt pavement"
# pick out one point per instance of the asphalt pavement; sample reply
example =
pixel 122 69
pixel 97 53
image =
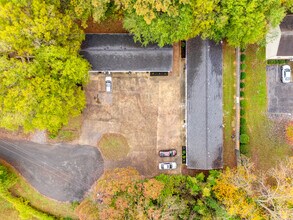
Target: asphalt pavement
pixel 279 94
pixel 62 172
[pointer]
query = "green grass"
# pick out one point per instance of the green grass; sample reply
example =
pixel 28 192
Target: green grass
pixel 267 143
pixel 113 146
pixel 24 189
pixel 229 90
pixel 69 132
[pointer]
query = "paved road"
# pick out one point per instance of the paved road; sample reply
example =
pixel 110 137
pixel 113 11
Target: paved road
pixel 62 172
pixel 279 94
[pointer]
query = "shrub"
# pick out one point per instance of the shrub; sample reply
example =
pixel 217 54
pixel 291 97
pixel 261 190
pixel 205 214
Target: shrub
pixel 241 94
pixel 244 139
pixel 242 112
pixel 242 121
pixel 277 62
pixel 242 66
pixel 243 103
pixel 243 129
pixel 242 50
pixel 242 85
pixel 243 75
pixel 243 149
pixel 242 57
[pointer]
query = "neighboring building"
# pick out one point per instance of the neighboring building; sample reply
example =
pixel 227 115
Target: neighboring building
pixel 119 53
pixel 204 111
pixel 280 40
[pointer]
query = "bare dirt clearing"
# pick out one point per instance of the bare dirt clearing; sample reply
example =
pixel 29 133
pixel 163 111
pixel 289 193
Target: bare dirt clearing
pixel 145 110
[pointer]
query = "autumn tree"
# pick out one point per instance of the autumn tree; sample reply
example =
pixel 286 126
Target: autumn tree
pixel 44 92
pixel 250 195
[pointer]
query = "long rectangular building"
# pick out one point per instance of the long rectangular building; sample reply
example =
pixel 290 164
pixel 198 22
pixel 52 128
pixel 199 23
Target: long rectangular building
pixel 119 53
pixel 204 111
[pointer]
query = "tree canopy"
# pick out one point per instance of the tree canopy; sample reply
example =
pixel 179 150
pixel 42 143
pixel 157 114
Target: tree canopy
pixel 42 75
pixel 27 25
pixel 43 93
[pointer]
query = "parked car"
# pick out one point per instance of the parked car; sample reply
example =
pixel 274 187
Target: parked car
pixel 108 81
pixel 167 166
pixel 167 153
pixel 286 74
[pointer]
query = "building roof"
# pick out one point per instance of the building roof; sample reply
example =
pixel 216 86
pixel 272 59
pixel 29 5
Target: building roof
pixel 119 52
pixel 204 104
pixel 281 47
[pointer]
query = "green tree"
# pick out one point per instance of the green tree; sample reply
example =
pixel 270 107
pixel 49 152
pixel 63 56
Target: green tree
pixel 245 22
pixel 27 25
pixel 169 23
pixel 43 93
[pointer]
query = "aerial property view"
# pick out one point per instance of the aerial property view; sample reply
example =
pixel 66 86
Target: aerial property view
pixel 136 109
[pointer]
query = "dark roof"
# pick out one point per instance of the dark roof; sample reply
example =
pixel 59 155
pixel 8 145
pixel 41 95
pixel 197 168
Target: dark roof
pixel 118 52
pixel 286 42
pixel 286 45
pixel 287 23
pixel 204 104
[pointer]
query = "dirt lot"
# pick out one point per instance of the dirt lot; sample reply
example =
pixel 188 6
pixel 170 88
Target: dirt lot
pixel 145 110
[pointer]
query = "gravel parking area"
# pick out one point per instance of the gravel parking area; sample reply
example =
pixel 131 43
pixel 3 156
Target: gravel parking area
pixel 145 110
pixel 279 94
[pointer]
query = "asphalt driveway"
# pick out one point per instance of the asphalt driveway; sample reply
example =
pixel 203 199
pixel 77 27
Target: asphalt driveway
pixel 62 172
pixel 279 94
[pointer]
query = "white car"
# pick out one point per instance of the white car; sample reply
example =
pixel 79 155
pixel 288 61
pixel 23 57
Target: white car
pixel 108 81
pixel 167 166
pixel 286 74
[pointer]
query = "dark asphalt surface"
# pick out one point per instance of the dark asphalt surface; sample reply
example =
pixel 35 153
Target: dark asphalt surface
pixel 62 172
pixel 279 94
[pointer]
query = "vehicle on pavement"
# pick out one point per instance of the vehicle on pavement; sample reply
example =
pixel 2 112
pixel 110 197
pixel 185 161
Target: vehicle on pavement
pixel 167 166
pixel 108 81
pixel 286 74
pixel 167 153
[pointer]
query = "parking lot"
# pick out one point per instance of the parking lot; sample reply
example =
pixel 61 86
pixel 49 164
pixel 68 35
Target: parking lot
pixel 146 110
pixel 280 98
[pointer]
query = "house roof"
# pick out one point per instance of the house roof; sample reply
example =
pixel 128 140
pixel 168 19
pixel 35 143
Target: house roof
pixel 287 23
pixel 204 104
pixel 119 52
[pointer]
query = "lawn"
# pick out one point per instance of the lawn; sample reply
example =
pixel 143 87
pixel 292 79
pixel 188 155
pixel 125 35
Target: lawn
pixel 267 141
pixel 113 146
pixel 229 69
pixel 38 201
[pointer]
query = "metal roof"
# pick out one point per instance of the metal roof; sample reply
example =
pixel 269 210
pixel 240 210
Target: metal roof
pixel 204 104
pixel 119 52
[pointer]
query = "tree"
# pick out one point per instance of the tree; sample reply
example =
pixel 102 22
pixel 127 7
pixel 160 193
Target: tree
pixel 246 21
pixel 165 23
pixel 27 25
pixel 43 93
pixel 251 195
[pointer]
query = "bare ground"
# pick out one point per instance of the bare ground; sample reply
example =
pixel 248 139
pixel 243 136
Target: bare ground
pixel 145 110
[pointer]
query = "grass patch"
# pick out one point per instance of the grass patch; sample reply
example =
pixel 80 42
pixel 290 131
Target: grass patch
pixel 229 69
pixel 265 147
pixel 7 211
pixel 24 189
pixel 69 132
pixel 113 146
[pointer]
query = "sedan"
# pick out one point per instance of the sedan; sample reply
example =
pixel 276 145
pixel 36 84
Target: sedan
pixel 167 153
pixel 167 166
pixel 286 74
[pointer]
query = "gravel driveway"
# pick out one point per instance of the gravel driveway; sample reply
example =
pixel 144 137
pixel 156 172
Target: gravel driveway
pixel 62 172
